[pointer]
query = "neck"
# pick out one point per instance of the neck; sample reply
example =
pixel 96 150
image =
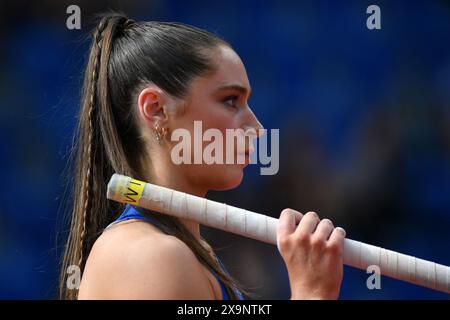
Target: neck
pixel 170 178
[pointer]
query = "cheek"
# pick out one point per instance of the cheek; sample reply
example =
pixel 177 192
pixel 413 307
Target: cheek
pixel 220 119
pixel 212 114
pixel 215 116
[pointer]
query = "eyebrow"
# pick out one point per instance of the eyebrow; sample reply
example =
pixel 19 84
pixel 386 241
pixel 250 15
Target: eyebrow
pixel 237 87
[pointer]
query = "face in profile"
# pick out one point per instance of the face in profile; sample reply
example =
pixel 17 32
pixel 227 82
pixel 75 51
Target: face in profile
pixel 220 101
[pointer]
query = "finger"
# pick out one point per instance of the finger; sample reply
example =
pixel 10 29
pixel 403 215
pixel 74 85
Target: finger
pixel 324 229
pixel 298 216
pixel 308 223
pixel 337 236
pixel 286 223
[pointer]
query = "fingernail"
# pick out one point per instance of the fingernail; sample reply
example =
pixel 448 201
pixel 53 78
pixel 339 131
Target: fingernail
pixel 292 216
pixel 342 230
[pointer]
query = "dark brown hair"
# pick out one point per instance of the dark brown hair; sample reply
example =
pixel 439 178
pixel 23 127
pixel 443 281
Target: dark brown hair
pixel 125 56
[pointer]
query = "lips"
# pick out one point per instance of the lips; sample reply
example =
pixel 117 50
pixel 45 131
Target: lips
pixel 247 154
pixel 250 150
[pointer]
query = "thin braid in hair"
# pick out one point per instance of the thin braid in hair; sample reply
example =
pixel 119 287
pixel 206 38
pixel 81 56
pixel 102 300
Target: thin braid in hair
pixel 88 147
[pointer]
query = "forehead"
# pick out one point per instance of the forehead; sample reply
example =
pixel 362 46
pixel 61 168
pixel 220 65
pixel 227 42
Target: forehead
pixel 229 70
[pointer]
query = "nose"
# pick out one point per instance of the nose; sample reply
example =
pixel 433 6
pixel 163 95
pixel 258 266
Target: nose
pixel 253 124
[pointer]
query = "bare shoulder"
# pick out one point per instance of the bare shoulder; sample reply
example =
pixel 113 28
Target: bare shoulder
pixel 137 261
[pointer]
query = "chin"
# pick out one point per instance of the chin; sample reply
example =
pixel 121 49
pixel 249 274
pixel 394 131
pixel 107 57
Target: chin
pixel 230 178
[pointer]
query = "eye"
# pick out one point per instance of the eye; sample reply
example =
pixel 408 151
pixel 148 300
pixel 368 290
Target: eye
pixel 230 101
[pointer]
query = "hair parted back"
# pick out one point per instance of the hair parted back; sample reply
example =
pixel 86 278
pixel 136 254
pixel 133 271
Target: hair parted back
pixel 125 55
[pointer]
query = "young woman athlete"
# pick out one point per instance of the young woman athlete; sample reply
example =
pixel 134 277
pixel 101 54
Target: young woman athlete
pixel 144 80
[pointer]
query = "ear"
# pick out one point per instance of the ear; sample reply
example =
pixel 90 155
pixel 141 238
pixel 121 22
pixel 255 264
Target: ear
pixel 152 101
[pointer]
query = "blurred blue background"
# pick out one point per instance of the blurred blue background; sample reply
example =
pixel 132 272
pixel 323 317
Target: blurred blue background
pixel 364 119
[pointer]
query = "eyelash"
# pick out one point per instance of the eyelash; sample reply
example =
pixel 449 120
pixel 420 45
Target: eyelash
pixel 232 97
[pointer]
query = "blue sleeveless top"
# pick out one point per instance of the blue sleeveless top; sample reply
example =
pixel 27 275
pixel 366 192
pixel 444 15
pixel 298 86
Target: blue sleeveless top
pixel 132 212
